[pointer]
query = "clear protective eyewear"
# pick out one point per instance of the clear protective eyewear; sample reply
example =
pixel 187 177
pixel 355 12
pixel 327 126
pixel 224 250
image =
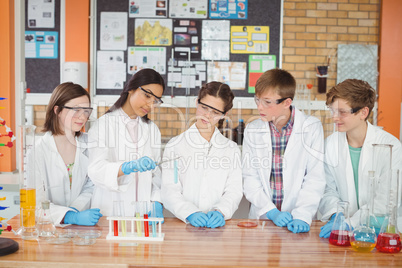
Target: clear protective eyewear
pixel 210 110
pixel 269 103
pixel 343 112
pixel 157 101
pixel 78 111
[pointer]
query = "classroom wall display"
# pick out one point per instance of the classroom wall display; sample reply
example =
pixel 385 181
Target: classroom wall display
pixel 198 39
pixel 111 69
pixel 113 31
pixel 257 65
pixel 147 8
pixel 185 74
pixel 146 57
pixel 231 73
pixel 42 49
pixel 153 32
pixel 41 13
pixel 249 39
pixel 187 34
pixel 192 9
pixel 228 9
pixel 41 45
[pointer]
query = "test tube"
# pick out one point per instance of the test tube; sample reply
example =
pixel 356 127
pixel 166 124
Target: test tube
pixel 146 223
pixel 137 215
pixel 153 215
pixel 117 213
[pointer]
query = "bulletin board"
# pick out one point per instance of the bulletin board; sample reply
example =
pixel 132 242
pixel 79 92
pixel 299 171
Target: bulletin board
pixel 262 18
pixel 42 74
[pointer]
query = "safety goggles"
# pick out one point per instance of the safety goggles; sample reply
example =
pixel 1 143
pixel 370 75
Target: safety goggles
pixel 156 101
pixel 269 103
pixel 78 111
pixel 343 112
pixel 210 110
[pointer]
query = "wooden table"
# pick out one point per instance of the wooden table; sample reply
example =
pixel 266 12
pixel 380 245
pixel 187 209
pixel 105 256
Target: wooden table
pixel 187 246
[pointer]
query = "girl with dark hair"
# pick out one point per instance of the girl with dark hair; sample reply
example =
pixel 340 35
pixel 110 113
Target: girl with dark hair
pixel 61 158
pixel 125 145
pixel 204 186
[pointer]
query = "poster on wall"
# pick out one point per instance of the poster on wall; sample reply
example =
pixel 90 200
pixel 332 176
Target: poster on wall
pixel 185 74
pixel 187 36
pixel 147 8
pixel 215 40
pixel 192 9
pixel 257 65
pixel 228 9
pixel 153 32
pixel 249 39
pixel 41 13
pixel 231 73
pixel 111 70
pixel 113 31
pixel 41 45
pixel 146 57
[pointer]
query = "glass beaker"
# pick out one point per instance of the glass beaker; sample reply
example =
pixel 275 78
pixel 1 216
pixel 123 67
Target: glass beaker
pixel 340 229
pixel 28 229
pixel 45 224
pixel 363 238
pixel 27 176
pixel 389 239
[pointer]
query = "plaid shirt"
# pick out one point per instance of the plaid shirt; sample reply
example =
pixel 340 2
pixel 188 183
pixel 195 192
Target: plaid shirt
pixel 279 142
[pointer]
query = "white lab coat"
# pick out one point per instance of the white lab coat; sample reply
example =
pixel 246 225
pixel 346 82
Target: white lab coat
pixel 52 179
pixel 339 172
pixel 110 146
pixel 209 175
pixel 303 168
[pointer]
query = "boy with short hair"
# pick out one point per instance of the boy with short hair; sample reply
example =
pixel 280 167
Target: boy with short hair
pixel 283 156
pixel 349 151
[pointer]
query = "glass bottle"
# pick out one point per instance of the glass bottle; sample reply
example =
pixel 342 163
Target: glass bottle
pixel 340 229
pixel 363 238
pixel 45 224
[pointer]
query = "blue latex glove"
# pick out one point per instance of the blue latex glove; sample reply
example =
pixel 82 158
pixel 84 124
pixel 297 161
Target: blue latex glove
pixel 87 217
pixel 215 219
pixel 280 219
pixel 298 226
pixel 327 228
pixel 143 164
pixel 198 219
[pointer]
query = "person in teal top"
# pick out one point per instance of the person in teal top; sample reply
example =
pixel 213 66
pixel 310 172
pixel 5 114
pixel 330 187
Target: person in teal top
pixel 349 151
pixel 355 157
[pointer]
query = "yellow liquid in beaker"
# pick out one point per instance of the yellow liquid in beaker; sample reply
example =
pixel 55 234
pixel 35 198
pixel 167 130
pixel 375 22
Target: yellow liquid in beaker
pixel 28 206
pixel 362 246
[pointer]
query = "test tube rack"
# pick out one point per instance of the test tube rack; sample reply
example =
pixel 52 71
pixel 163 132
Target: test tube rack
pixel 132 232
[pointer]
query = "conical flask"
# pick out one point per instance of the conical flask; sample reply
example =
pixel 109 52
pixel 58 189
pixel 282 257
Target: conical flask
pixel 45 224
pixel 340 229
pixel 389 239
pixel 363 238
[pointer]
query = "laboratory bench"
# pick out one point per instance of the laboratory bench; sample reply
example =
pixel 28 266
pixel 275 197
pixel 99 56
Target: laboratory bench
pixel 188 246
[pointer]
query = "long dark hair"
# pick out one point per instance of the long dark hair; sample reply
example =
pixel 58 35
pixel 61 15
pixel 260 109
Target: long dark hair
pixel 62 94
pixel 140 78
